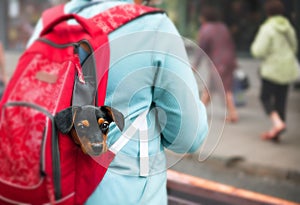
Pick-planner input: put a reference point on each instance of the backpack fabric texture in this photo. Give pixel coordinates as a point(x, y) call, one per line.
point(39, 164)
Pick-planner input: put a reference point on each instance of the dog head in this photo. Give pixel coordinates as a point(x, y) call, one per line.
point(88, 125)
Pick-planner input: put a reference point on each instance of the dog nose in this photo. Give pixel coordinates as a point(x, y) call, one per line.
point(97, 147)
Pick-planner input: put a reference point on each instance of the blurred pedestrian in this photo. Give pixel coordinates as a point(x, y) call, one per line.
point(141, 80)
point(216, 41)
point(3, 77)
point(276, 45)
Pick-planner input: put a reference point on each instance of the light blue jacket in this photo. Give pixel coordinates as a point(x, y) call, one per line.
point(149, 71)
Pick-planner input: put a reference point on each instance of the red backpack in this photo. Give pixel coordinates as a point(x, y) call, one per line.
point(39, 164)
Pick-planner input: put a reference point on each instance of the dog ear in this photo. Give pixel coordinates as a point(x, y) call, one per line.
point(64, 119)
point(116, 116)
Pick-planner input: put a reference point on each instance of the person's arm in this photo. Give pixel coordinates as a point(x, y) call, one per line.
point(260, 45)
point(184, 126)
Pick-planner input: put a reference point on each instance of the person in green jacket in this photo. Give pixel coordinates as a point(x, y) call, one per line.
point(276, 45)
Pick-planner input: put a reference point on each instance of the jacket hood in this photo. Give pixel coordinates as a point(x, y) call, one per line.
point(279, 23)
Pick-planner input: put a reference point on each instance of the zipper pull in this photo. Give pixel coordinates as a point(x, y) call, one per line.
point(77, 64)
point(79, 73)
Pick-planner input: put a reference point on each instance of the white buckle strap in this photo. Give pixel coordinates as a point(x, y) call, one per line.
point(144, 159)
point(139, 124)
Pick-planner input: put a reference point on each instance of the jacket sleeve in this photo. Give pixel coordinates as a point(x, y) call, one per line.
point(293, 40)
point(184, 125)
point(260, 45)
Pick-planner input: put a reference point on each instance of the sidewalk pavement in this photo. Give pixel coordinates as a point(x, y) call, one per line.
point(242, 140)
point(240, 146)
point(241, 158)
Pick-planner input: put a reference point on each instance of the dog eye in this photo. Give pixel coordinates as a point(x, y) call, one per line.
point(104, 126)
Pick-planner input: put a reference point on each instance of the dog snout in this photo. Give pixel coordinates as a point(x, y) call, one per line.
point(97, 147)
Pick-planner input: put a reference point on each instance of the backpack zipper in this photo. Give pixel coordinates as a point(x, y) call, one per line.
point(76, 45)
point(56, 45)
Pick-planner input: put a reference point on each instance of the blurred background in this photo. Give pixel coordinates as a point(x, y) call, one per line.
point(18, 18)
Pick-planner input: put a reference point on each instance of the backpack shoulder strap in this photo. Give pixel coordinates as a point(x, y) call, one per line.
point(104, 22)
point(117, 16)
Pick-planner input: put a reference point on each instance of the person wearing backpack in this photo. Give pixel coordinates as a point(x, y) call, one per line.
point(276, 45)
point(149, 76)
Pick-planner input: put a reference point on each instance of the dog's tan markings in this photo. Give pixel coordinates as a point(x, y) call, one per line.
point(73, 119)
point(100, 121)
point(83, 142)
point(86, 145)
point(74, 115)
point(84, 123)
point(75, 136)
point(104, 148)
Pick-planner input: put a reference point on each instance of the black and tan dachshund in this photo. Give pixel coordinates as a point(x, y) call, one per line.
point(89, 125)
